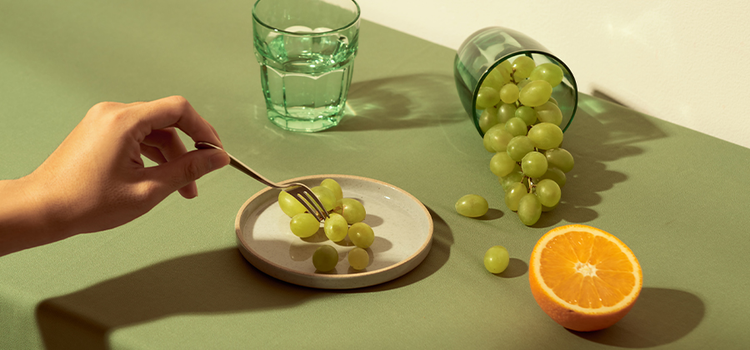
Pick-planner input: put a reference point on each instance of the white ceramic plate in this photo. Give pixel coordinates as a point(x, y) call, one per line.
point(402, 225)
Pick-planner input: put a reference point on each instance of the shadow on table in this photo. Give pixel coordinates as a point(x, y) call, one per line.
point(660, 316)
point(212, 282)
point(410, 101)
point(601, 132)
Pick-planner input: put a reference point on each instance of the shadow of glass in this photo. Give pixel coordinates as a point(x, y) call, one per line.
point(601, 132)
point(410, 101)
point(660, 316)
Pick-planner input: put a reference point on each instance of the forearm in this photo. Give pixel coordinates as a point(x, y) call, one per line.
point(24, 218)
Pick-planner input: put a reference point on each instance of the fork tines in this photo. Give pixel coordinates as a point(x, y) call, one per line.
point(309, 200)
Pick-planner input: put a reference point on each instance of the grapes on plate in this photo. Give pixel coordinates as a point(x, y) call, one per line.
point(361, 235)
point(325, 258)
point(358, 258)
point(304, 225)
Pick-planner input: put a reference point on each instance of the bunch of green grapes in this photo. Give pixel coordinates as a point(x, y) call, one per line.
point(345, 216)
point(521, 125)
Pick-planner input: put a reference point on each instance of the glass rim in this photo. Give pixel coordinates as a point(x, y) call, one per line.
point(505, 58)
point(357, 16)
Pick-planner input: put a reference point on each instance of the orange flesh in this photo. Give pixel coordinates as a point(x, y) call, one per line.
point(587, 270)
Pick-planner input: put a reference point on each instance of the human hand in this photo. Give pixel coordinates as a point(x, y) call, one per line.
point(96, 178)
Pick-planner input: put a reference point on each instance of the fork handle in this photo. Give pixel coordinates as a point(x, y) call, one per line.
point(237, 164)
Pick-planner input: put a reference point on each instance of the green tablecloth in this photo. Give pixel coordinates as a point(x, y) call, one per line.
point(175, 279)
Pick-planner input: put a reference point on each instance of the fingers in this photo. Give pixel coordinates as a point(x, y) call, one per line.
point(164, 145)
point(184, 170)
point(177, 112)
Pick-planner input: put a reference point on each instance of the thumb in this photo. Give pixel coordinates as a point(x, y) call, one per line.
point(181, 172)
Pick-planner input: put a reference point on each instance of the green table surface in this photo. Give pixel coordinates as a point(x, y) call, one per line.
point(174, 278)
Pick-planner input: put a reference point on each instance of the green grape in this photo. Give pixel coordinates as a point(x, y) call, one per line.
point(351, 209)
point(504, 70)
point(527, 114)
point(325, 258)
point(549, 72)
point(358, 258)
point(488, 119)
point(519, 146)
point(523, 66)
point(304, 225)
point(513, 195)
point(289, 205)
point(546, 135)
point(509, 93)
point(335, 227)
point(552, 99)
point(496, 259)
point(497, 138)
point(515, 176)
point(472, 205)
point(493, 80)
point(548, 192)
point(516, 127)
point(334, 186)
point(505, 112)
point(326, 197)
point(534, 164)
point(529, 209)
point(487, 97)
point(361, 235)
point(549, 113)
point(501, 164)
point(535, 93)
point(555, 175)
point(560, 158)
point(521, 84)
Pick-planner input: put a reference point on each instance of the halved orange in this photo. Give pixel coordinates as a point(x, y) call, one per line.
point(584, 278)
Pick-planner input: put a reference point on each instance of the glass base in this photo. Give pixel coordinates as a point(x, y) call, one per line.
point(303, 125)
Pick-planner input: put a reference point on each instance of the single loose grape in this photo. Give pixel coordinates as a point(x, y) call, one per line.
point(529, 209)
point(513, 195)
point(548, 192)
point(335, 227)
point(334, 186)
point(509, 93)
point(486, 97)
point(549, 112)
point(496, 259)
point(472, 205)
point(289, 205)
point(535, 93)
point(546, 135)
point(516, 127)
point(325, 258)
point(560, 158)
point(519, 146)
point(550, 72)
point(304, 225)
point(358, 258)
point(501, 164)
point(361, 235)
point(534, 164)
point(351, 209)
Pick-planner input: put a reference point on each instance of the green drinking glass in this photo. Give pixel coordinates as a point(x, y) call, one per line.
point(497, 47)
point(306, 51)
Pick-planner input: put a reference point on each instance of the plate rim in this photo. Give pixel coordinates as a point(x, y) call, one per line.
point(334, 281)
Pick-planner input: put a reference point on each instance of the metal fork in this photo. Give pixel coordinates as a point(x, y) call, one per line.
point(299, 191)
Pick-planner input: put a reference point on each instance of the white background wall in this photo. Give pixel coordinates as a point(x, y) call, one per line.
point(684, 61)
